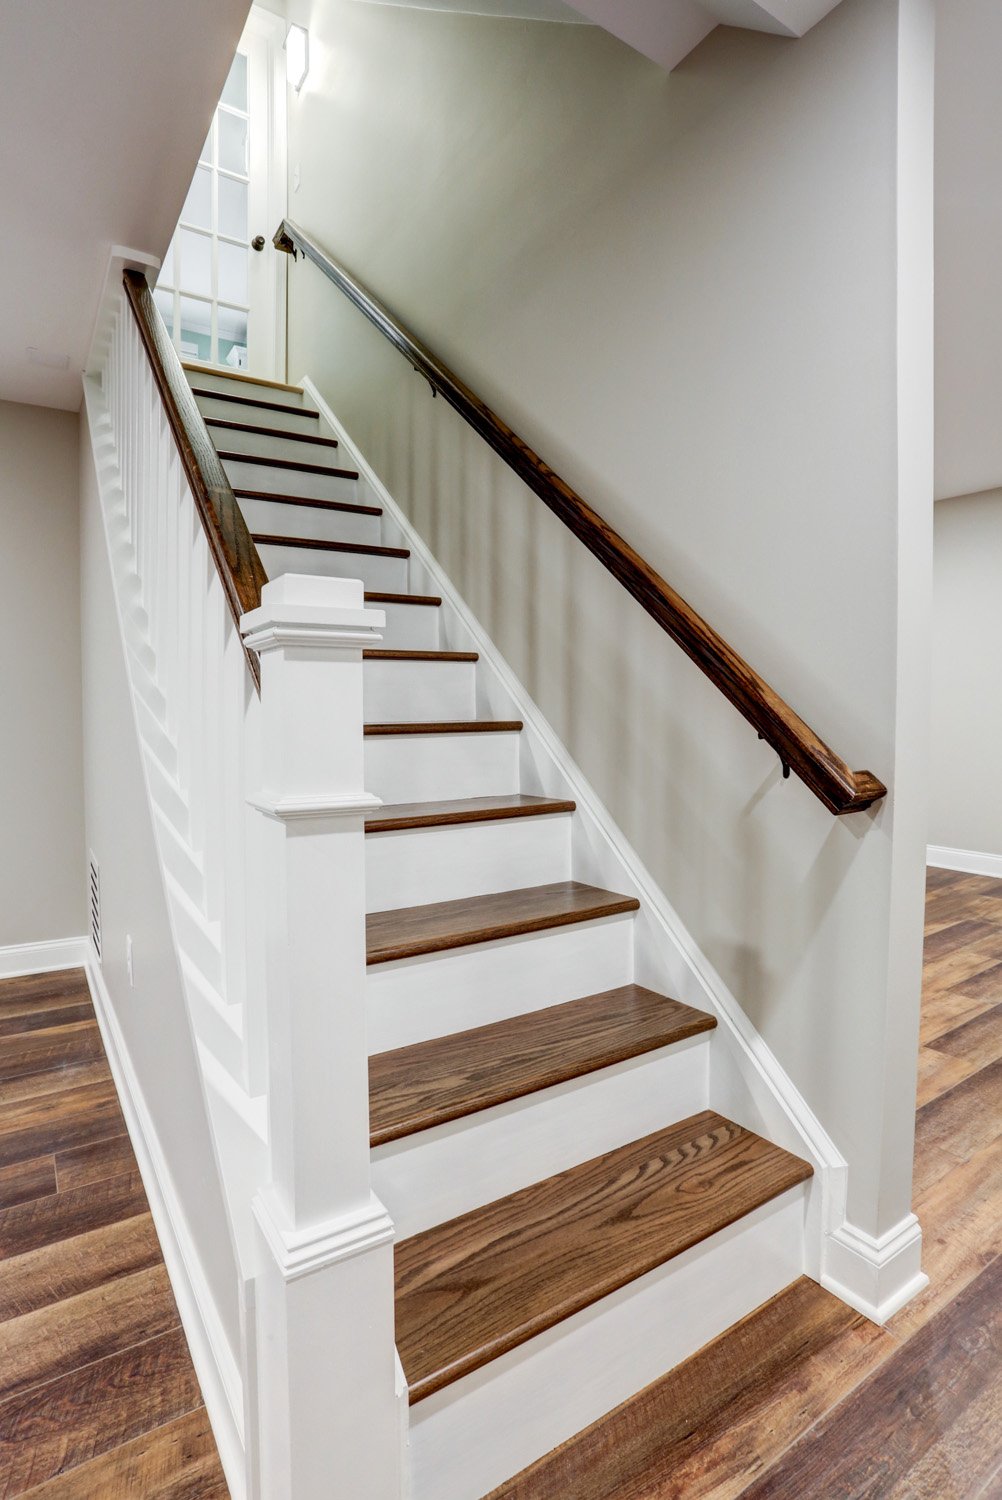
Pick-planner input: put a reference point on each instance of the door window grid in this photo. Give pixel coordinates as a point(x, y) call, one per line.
point(202, 289)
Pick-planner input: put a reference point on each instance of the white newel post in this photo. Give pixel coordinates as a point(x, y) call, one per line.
point(328, 1414)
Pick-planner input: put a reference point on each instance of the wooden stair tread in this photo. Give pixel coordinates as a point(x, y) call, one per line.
point(393, 816)
point(310, 503)
point(376, 596)
point(474, 1288)
point(312, 438)
point(269, 461)
point(417, 1087)
point(235, 375)
point(292, 411)
point(456, 726)
point(382, 654)
point(411, 930)
point(317, 544)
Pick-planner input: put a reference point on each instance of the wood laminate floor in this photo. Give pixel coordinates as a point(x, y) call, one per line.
point(98, 1397)
point(805, 1400)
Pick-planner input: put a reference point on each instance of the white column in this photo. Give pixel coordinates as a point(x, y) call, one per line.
point(324, 1295)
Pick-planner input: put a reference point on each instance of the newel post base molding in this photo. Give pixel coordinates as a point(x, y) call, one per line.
point(875, 1276)
point(328, 1413)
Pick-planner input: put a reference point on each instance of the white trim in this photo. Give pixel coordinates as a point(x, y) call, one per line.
point(747, 1081)
point(42, 958)
point(215, 1366)
point(319, 805)
point(300, 1252)
point(875, 1276)
point(970, 861)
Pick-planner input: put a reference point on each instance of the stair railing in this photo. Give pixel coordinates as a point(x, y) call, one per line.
point(841, 789)
point(248, 700)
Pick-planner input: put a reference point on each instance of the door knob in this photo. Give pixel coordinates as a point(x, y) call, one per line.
point(257, 243)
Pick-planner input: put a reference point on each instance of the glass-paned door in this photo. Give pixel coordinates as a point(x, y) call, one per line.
point(217, 292)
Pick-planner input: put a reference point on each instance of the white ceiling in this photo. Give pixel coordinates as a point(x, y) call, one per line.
point(104, 105)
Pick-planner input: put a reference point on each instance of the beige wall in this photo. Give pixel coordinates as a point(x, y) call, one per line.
point(966, 773)
point(685, 291)
point(42, 878)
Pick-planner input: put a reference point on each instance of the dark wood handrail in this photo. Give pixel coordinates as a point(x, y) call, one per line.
point(841, 789)
point(240, 569)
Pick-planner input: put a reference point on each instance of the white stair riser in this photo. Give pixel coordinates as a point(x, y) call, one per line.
point(471, 1436)
point(410, 627)
point(433, 767)
point(415, 999)
point(260, 416)
point(283, 446)
point(210, 380)
point(438, 1174)
point(389, 573)
point(275, 519)
point(418, 865)
point(412, 692)
point(279, 481)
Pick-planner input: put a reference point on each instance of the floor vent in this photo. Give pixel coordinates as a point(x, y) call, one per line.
point(95, 905)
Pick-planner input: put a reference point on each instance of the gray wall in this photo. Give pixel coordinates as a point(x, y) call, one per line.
point(42, 875)
point(686, 292)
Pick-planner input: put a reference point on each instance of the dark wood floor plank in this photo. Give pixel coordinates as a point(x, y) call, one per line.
point(55, 1122)
point(470, 1290)
point(731, 1407)
point(44, 1017)
point(53, 1428)
point(61, 1337)
point(46, 1220)
point(24, 1180)
point(964, 1119)
point(880, 1434)
point(977, 1042)
point(34, 1085)
point(40, 1050)
point(55, 1272)
point(413, 930)
point(415, 1088)
point(93, 1163)
point(177, 1461)
point(48, 991)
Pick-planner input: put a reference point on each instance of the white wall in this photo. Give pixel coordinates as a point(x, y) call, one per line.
point(684, 292)
point(968, 247)
point(152, 1014)
point(42, 878)
point(966, 773)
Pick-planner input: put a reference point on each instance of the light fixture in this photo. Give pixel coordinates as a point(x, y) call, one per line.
point(297, 56)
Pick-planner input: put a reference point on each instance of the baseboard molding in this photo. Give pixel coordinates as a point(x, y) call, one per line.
point(969, 861)
point(41, 958)
point(875, 1276)
point(214, 1361)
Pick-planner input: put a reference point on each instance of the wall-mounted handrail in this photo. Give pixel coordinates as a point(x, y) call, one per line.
point(240, 568)
point(841, 789)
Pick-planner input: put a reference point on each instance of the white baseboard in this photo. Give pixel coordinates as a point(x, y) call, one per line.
point(41, 958)
point(875, 1276)
point(215, 1364)
point(970, 861)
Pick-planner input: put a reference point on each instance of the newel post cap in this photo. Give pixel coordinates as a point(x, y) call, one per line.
point(303, 610)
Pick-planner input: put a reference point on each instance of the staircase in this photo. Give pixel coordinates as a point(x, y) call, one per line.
point(573, 1215)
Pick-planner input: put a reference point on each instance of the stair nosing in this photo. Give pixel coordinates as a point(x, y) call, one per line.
point(456, 726)
point(495, 930)
point(349, 506)
point(381, 596)
point(389, 654)
point(318, 544)
point(314, 440)
point(459, 816)
point(267, 461)
point(292, 411)
point(604, 1280)
point(503, 1035)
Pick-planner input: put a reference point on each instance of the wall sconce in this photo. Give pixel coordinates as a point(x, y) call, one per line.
point(297, 56)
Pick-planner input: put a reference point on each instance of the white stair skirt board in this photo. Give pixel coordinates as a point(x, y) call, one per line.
point(438, 1174)
point(415, 692)
point(414, 999)
point(969, 861)
point(281, 481)
point(436, 767)
point(211, 380)
point(380, 573)
point(260, 416)
point(272, 518)
point(39, 958)
point(214, 1360)
point(466, 1439)
point(420, 865)
point(410, 627)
